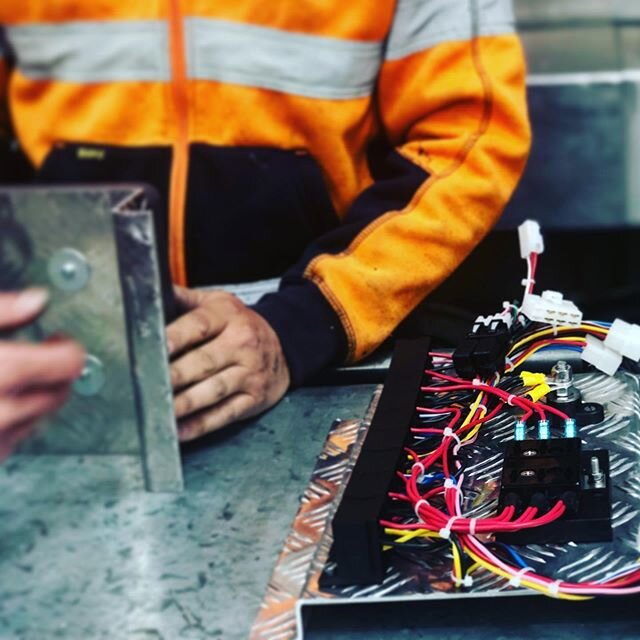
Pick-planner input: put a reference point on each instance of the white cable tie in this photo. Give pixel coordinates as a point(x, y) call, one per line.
point(510, 398)
point(449, 483)
point(554, 587)
point(476, 382)
point(472, 526)
point(515, 579)
point(446, 531)
point(423, 471)
point(417, 506)
point(450, 433)
point(482, 406)
point(467, 581)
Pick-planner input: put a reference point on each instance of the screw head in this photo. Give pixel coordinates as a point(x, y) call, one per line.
point(530, 453)
point(92, 378)
point(69, 270)
point(527, 473)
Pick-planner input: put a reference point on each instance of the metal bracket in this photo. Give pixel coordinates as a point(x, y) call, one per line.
point(94, 248)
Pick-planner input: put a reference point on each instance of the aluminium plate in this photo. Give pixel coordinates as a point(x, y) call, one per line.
point(294, 585)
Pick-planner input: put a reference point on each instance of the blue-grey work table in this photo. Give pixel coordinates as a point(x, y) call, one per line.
point(83, 556)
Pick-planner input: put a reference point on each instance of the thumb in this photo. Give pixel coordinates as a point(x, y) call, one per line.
point(18, 308)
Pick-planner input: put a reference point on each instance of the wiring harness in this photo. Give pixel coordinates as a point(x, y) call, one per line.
point(427, 502)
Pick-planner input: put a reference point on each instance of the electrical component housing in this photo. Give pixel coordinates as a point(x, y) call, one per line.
point(551, 308)
point(484, 350)
point(538, 473)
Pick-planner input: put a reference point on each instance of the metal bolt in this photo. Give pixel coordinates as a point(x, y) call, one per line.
point(91, 379)
point(596, 473)
point(530, 452)
point(527, 473)
point(69, 270)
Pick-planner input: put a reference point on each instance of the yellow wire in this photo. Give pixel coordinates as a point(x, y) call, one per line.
point(515, 364)
point(471, 413)
point(457, 562)
point(552, 332)
point(527, 583)
point(405, 535)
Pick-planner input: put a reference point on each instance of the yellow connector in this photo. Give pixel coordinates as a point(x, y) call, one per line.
point(539, 392)
point(532, 379)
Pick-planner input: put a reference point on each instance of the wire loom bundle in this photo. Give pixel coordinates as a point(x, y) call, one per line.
point(451, 415)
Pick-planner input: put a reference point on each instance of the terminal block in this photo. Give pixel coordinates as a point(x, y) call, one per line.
point(538, 473)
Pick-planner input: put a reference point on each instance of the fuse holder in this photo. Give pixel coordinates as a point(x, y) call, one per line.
point(601, 356)
point(624, 338)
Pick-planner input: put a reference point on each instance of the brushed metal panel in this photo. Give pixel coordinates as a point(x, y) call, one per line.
point(106, 422)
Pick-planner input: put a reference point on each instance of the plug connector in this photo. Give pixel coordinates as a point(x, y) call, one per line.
point(530, 238)
point(551, 308)
point(624, 338)
point(601, 356)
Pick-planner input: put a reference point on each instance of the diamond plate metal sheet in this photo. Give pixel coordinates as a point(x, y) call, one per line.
point(409, 577)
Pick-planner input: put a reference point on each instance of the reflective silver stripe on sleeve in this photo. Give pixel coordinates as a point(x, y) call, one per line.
point(92, 51)
point(422, 24)
point(268, 58)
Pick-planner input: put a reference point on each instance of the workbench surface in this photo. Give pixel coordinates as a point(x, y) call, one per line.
point(84, 555)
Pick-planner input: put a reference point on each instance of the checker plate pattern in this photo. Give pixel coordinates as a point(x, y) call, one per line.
point(294, 583)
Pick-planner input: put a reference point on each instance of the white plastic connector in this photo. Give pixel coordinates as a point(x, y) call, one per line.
point(600, 356)
point(530, 238)
point(552, 308)
point(624, 338)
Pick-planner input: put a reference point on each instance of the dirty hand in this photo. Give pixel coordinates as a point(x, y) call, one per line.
point(227, 362)
point(35, 379)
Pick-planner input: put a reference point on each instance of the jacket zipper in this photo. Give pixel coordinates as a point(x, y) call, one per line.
point(180, 159)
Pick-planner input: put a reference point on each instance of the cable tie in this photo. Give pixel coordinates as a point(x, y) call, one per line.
point(472, 526)
point(515, 580)
point(417, 506)
point(467, 581)
point(483, 407)
point(446, 531)
point(510, 398)
point(476, 382)
point(423, 471)
point(449, 483)
point(450, 433)
point(554, 587)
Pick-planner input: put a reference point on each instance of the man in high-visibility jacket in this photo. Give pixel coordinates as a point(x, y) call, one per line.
point(362, 149)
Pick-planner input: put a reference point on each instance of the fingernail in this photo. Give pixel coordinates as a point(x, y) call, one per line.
point(31, 301)
point(170, 347)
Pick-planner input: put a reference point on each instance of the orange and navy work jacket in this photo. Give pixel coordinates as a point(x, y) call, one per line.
point(362, 148)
